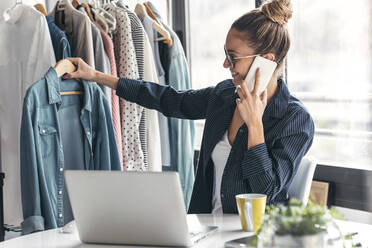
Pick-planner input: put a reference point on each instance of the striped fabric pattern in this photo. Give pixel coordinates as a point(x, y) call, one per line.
point(130, 112)
point(267, 168)
point(138, 42)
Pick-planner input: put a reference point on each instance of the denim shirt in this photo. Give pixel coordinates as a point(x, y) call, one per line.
point(181, 132)
point(267, 168)
point(61, 45)
point(41, 151)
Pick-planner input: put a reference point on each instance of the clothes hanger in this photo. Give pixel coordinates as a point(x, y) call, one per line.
point(101, 20)
point(66, 66)
point(75, 3)
point(87, 9)
point(16, 3)
point(151, 14)
point(6, 14)
point(141, 12)
point(107, 19)
point(40, 7)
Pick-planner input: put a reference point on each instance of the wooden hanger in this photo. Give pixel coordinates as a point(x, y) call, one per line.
point(75, 3)
point(66, 66)
point(87, 9)
point(151, 14)
point(141, 12)
point(40, 8)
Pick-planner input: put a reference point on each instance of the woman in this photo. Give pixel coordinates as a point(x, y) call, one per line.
point(251, 143)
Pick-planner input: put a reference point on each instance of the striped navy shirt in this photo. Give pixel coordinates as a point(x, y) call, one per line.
point(267, 168)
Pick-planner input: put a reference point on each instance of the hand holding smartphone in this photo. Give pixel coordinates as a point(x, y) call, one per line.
point(267, 68)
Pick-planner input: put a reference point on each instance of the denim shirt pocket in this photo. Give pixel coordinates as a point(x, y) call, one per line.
point(48, 135)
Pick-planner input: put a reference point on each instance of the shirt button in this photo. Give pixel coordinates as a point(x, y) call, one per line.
point(60, 215)
point(60, 169)
point(222, 196)
point(88, 133)
point(60, 192)
point(240, 130)
point(43, 131)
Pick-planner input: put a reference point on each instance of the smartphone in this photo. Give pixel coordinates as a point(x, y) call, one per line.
point(241, 243)
point(267, 68)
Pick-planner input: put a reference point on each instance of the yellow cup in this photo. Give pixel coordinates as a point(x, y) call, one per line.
point(251, 208)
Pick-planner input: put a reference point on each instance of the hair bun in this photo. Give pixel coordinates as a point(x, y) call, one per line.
point(279, 11)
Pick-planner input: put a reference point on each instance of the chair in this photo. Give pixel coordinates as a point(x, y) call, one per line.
point(301, 184)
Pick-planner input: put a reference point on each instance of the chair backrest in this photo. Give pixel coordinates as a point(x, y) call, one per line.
point(301, 184)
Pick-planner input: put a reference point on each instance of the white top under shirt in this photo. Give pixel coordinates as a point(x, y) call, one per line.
point(220, 154)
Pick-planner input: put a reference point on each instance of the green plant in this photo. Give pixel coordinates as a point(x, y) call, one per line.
point(297, 219)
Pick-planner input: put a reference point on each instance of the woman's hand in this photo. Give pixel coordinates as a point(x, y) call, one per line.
point(251, 106)
point(83, 70)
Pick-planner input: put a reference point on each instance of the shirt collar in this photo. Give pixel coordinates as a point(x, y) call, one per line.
point(278, 104)
point(50, 19)
point(53, 87)
point(276, 107)
point(226, 90)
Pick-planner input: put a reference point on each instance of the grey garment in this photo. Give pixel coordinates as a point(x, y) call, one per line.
point(72, 141)
point(78, 30)
point(101, 59)
point(139, 47)
point(163, 121)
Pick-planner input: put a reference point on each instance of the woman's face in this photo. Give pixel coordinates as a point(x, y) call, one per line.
point(237, 47)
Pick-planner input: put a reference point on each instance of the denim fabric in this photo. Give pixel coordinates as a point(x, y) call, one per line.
point(61, 45)
point(42, 152)
point(181, 132)
point(267, 168)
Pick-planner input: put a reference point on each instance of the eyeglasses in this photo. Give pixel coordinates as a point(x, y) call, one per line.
point(232, 60)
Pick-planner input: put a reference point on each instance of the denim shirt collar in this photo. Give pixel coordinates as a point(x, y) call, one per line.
point(54, 89)
point(276, 107)
point(49, 19)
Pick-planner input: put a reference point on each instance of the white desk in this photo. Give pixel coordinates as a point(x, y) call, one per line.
point(229, 228)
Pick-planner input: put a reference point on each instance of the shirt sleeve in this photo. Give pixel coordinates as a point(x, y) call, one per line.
point(186, 104)
point(105, 149)
point(33, 220)
point(270, 170)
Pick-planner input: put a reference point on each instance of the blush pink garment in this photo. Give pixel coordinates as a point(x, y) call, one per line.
point(109, 49)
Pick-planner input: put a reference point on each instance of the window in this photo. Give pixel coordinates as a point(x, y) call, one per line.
point(209, 23)
point(329, 68)
point(330, 71)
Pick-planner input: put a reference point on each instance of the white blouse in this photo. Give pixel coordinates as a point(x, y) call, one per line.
point(220, 154)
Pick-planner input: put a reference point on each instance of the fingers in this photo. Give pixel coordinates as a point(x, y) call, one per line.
point(239, 104)
point(264, 97)
point(75, 61)
point(74, 74)
point(257, 82)
point(246, 91)
point(241, 92)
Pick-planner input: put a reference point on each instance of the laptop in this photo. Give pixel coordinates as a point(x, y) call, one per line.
point(131, 208)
